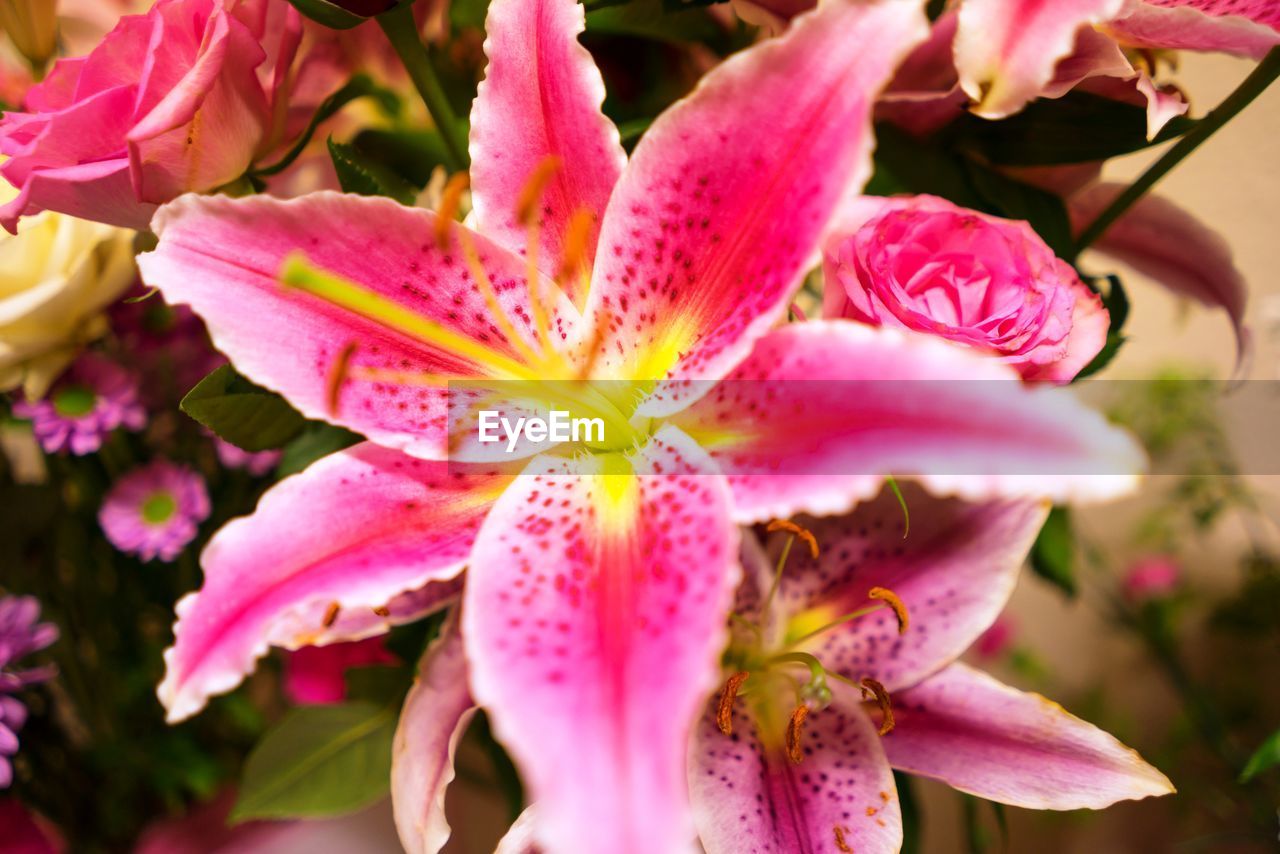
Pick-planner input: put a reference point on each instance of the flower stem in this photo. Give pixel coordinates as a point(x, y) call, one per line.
point(1253, 86)
point(402, 31)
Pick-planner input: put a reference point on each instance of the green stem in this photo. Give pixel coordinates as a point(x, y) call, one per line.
point(402, 31)
point(1253, 86)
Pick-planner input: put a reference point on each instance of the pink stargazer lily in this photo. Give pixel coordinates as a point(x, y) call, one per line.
point(598, 579)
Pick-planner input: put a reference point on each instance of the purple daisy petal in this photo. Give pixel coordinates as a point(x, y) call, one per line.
point(20, 635)
point(95, 397)
point(155, 511)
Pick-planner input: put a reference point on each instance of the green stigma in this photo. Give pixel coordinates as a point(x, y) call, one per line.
point(74, 401)
point(158, 508)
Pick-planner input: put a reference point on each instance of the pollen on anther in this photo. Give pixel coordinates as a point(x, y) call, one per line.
point(338, 376)
point(870, 687)
point(724, 710)
point(330, 614)
point(891, 599)
point(450, 202)
point(841, 842)
point(796, 530)
point(382, 611)
point(795, 728)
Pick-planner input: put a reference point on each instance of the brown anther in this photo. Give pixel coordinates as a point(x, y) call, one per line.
point(724, 711)
point(531, 192)
point(797, 530)
point(382, 611)
point(841, 843)
point(891, 599)
point(330, 614)
point(872, 687)
point(576, 239)
point(337, 376)
point(794, 730)
point(450, 203)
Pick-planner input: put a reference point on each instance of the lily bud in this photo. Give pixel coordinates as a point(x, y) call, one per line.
point(32, 26)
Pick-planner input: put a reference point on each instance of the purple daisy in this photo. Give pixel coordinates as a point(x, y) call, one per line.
point(95, 397)
point(154, 511)
point(20, 635)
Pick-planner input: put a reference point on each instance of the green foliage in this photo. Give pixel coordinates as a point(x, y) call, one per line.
point(1267, 756)
point(330, 14)
point(319, 761)
point(242, 413)
point(1054, 552)
point(1116, 301)
point(315, 441)
point(1077, 128)
point(359, 86)
point(362, 176)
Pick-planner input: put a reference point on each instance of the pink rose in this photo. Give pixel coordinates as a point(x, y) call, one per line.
point(180, 99)
point(924, 264)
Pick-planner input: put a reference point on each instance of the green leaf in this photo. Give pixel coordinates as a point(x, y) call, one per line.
point(653, 19)
point(329, 14)
point(411, 154)
point(246, 415)
point(358, 174)
point(1015, 200)
point(1266, 756)
point(1053, 555)
point(1077, 128)
point(359, 86)
point(906, 164)
point(1116, 302)
point(912, 817)
point(319, 761)
point(316, 441)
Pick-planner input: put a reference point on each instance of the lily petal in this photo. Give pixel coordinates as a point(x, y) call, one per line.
point(824, 409)
point(595, 608)
point(519, 838)
point(435, 715)
point(750, 799)
point(1006, 50)
point(727, 195)
point(540, 98)
point(293, 342)
point(954, 571)
point(1249, 28)
point(970, 731)
point(354, 531)
point(1161, 240)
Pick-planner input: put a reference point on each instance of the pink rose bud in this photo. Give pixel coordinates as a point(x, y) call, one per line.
point(1152, 577)
point(316, 675)
point(924, 264)
point(111, 135)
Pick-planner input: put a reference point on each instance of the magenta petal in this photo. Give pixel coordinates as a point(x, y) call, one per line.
point(982, 737)
point(750, 799)
point(1242, 27)
point(434, 717)
point(1007, 50)
point(824, 409)
point(594, 614)
point(540, 97)
point(357, 529)
point(954, 571)
point(722, 207)
point(1161, 240)
point(291, 342)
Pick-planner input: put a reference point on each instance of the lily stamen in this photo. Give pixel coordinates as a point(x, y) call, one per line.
point(450, 203)
point(330, 614)
point(490, 294)
point(796, 530)
point(528, 215)
point(297, 272)
point(871, 687)
point(338, 375)
point(891, 599)
point(795, 729)
point(576, 238)
point(724, 710)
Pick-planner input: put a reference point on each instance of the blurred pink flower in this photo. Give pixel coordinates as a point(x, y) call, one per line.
point(94, 398)
point(155, 511)
point(256, 463)
point(925, 264)
point(998, 639)
point(1151, 577)
point(109, 136)
point(315, 675)
point(23, 832)
point(20, 635)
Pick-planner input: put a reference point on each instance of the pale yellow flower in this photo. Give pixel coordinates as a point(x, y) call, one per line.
point(57, 275)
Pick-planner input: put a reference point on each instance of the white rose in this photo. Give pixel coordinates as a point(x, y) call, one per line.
point(56, 277)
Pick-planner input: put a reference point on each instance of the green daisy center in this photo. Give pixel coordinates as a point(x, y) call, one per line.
point(158, 508)
point(74, 401)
